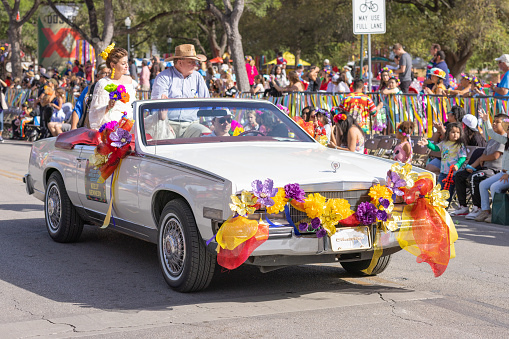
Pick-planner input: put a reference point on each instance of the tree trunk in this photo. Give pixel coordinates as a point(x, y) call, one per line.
point(15, 38)
point(235, 42)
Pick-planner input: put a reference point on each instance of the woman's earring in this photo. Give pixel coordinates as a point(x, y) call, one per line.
point(112, 73)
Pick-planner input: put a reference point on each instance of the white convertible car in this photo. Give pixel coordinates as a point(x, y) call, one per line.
point(174, 188)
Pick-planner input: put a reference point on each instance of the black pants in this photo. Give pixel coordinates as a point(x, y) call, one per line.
point(405, 85)
point(460, 179)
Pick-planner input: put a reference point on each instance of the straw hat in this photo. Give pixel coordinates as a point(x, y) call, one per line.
point(186, 51)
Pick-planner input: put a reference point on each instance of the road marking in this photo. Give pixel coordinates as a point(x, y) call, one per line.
point(11, 175)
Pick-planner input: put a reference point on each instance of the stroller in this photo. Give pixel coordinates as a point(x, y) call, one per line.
point(39, 130)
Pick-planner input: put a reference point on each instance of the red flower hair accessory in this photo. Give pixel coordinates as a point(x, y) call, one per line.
point(340, 116)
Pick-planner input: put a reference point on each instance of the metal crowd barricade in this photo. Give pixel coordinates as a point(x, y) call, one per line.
point(423, 110)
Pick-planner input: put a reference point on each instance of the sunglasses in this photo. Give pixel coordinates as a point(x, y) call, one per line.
point(225, 119)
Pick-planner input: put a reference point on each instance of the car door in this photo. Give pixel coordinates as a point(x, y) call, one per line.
point(96, 196)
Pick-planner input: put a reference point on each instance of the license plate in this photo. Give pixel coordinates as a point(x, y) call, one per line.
point(351, 238)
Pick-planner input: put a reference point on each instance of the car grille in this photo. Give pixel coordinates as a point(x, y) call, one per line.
point(353, 197)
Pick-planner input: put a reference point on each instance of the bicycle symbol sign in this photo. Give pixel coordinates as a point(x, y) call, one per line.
point(368, 16)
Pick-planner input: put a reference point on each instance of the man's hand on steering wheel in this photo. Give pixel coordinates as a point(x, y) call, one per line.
point(251, 131)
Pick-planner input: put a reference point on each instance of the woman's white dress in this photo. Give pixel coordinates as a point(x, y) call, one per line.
point(96, 115)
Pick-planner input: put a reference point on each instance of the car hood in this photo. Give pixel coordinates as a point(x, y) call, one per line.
point(309, 164)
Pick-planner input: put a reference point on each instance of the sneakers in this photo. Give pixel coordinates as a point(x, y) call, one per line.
point(483, 216)
point(462, 210)
point(488, 219)
point(475, 212)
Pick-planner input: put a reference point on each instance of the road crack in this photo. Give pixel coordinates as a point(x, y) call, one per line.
point(392, 304)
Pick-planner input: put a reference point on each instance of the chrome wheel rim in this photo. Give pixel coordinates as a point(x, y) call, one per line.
point(173, 246)
point(54, 208)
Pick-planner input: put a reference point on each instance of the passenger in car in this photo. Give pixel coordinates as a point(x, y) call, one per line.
point(254, 122)
point(221, 126)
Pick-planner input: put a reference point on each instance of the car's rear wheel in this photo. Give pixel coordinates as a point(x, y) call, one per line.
point(186, 264)
point(62, 220)
point(357, 267)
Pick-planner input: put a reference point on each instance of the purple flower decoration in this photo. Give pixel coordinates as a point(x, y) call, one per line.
point(120, 137)
point(303, 226)
point(121, 89)
point(315, 223)
point(109, 126)
point(394, 182)
point(264, 192)
point(321, 233)
point(115, 95)
point(293, 191)
point(381, 215)
point(384, 202)
point(366, 213)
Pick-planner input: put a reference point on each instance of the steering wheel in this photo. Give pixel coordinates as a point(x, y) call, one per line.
point(250, 131)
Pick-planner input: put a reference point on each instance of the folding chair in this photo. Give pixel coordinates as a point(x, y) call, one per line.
point(372, 146)
point(420, 154)
point(385, 146)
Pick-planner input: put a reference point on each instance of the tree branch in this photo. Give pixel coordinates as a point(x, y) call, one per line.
point(142, 24)
point(214, 10)
point(70, 23)
point(31, 12)
point(92, 18)
point(8, 8)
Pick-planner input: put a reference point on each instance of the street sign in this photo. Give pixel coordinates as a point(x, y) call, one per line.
point(368, 16)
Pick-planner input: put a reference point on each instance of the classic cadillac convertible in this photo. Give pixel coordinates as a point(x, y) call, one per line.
point(174, 188)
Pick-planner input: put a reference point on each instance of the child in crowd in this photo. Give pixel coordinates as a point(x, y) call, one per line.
point(484, 167)
point(500, 181)
point(403, 151)
point(18, 124)
point(453, 152)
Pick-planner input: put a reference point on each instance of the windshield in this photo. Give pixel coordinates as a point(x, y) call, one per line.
point(179, 122)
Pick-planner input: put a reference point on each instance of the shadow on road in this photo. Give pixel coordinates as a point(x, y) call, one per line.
point(111, 271)
point(21, 207)
point(483, 233)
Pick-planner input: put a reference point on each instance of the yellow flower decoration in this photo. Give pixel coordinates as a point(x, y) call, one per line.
point(237, 131)
point(97, 159)
point(104, 54)
point(378, 191)
point(392, 223)
point(323, 140)
point(314, 205)
point(280, 202)
point(335, 210)
point(438, 197)
point(244, 205)
point(404, 173)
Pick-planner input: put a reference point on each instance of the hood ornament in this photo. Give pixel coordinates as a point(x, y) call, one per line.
point(335, 166)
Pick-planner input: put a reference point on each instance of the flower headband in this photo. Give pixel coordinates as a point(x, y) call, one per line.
point(403, 133)
point(393, 77)
point(385, 69)
point(340, 116)
point(107, 51)
point(324, 112)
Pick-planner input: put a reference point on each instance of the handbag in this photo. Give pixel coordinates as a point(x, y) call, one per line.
point(500, 209)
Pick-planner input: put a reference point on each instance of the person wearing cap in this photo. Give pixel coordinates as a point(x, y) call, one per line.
point(472, 135)
point(348, 74)
point(181, 80)
point(326, 65)
point(502, 88)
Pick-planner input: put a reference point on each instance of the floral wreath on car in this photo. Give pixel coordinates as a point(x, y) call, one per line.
point(239, 236)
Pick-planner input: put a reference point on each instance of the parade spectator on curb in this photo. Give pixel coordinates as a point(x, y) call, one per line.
point(181, 80)
point(500, 181)
point(259, 85)
point(346, 134)
point(502, 89)
point(385, 75)
point(230, 90)
point(294, 86)
point(326, 65)
point(133, 70)
point(325, 80)
point(349, 77)
point(472, 135)
point(313, 79)
point(405, 67)
point(464, 88)
point(145, 76)
point(392, 86)
point(89, 70)
point(453, 152)
point(280, 60)
point(484, 167)
point(437, 79)
point(154, 70)
point(300, 71)
point(3, 106)
point(359, 105)
point(280, 76)
point(403, 151)
point(251, 69)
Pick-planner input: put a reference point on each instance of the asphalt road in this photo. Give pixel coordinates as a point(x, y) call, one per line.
point(109, 286)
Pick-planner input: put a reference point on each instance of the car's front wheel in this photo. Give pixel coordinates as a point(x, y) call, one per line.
point(357, 267)
point(62, 220)
point(185, 263)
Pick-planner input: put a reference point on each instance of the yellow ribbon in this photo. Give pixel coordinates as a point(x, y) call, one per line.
point(377, 253)
point(113, 181)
